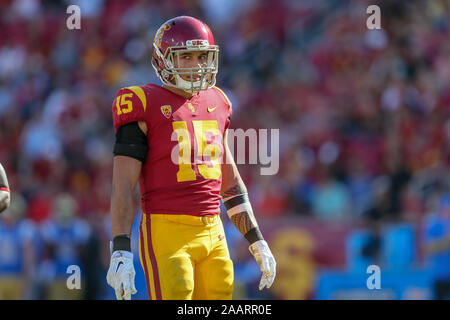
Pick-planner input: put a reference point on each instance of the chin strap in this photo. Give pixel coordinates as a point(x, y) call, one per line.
point(188, 85)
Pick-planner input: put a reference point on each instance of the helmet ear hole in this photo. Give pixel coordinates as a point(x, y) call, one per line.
point(157, 64)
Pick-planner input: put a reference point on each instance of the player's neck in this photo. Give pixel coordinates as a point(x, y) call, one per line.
point(180, 92)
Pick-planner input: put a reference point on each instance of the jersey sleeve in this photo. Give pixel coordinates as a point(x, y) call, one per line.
point(129, 105)
point(230, 107)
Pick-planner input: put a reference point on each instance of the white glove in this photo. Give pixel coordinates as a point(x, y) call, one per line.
point(264, 257)
point(121, 274)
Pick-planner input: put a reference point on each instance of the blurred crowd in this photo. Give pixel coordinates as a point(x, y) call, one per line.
point(363, 114)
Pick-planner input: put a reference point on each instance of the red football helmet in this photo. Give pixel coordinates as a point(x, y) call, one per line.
point(179, 35)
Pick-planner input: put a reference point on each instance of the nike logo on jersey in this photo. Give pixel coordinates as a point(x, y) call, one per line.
point(211, 109)
point(118, 265)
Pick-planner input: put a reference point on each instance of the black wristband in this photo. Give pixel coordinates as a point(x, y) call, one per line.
point(122, 242)
point(253, 235)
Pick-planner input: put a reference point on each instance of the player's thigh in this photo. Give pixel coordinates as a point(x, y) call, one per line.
point(165, 260)
point(214, 279)
point(176, 277)
point(214, 276)
point(171, 277)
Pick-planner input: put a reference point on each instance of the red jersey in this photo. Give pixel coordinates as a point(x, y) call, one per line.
point(182, 172)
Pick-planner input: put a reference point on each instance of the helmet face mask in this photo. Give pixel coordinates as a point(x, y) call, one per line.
point(169, 46)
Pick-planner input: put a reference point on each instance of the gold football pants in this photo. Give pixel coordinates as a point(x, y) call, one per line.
point(185, 257)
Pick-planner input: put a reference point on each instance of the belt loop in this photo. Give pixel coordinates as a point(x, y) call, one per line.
point(208, 220)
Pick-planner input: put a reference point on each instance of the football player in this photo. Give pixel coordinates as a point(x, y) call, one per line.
point(18, 243)
point(4, 190)
point(171, 139)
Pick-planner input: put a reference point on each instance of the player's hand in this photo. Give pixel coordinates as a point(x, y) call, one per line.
point(121, 274)
point(264, 257)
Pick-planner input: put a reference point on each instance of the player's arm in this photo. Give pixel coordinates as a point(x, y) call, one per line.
point(235, 198)
point(130, 151)
point(4, 190)
point(126, 172)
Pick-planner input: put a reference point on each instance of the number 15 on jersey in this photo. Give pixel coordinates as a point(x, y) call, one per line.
point(208, 149)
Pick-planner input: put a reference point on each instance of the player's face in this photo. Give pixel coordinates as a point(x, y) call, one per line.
point(192, 59)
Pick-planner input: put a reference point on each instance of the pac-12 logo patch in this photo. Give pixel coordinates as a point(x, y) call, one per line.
point(166, 111)
point(191, 107)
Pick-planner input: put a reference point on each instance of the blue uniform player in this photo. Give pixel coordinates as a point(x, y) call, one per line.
point(17, 252)
point(437, 247)
point(63, 236)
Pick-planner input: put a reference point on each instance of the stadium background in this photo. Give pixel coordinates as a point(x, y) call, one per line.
point(364, 139)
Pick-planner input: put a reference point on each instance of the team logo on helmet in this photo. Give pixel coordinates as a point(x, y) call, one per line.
point(160, 33)
point(166, 111)
point(197, 42)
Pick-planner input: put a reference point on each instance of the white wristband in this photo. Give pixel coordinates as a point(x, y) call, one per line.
point(244, 207)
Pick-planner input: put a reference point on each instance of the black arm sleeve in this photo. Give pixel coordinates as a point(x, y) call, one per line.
point(131, 142)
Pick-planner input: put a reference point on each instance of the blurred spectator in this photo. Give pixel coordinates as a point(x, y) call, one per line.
point(437, 247)
point(64, 237)
point(330, 198)
point(17, 252)
point(91, 262)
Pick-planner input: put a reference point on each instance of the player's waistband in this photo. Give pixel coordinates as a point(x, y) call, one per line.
point(187, 219)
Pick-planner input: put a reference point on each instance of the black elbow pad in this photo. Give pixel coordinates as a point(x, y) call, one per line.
point(131, 142)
